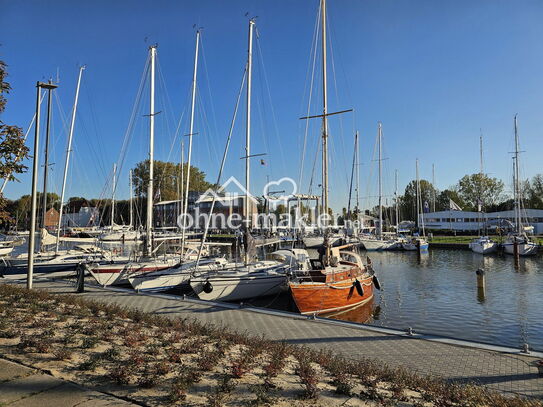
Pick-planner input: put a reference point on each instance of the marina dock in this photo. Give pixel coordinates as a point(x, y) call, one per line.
point(503, 369)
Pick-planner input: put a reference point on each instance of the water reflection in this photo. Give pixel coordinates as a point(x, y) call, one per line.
point(362, 314)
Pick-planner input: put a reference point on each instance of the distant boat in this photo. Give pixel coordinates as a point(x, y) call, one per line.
point(316, 241)
point(483, 245)
point(518, 241)
point(417, 242)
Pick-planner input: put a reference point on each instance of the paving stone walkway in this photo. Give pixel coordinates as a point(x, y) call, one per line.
point(24, 386)
point(505, 372)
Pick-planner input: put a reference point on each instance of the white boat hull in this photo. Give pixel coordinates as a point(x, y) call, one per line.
point(240, 284)
point(524, 249)
point(374, 244)
point(4, 251)
point(312, 242)
point(170, 278)
point(118, 273)
point(483, 247)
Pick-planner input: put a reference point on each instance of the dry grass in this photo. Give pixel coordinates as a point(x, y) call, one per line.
point(155, 360)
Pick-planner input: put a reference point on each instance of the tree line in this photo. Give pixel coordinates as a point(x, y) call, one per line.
point(473, 192)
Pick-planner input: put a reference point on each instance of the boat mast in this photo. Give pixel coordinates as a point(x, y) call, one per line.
point(191, 129)
point(131, 203)
point(433, 188)
point(68, 151)
point(113, 188)
point(420, 218)
point(380, 135)
point(517, 178)
point(248, 132)
point(324, 118)
point(352, 179)
point(357, 178)
point(396, 199)
point(46, 164)
point(149, 220)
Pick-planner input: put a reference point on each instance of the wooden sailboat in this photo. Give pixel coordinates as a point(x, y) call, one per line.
point(338, 279)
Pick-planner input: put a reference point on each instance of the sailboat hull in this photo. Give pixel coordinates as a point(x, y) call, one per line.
point(323, 298)
point(483, 247)
point(314, 242)
point(238, 284)
point(524, 249)
point(118, 273)
point(374, 244)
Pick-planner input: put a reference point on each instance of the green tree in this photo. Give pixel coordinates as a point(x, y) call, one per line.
point(166, 179)
point(408, 201)
point(477, 188)
point(443, 201)
point(535, 193)
point(12, 147)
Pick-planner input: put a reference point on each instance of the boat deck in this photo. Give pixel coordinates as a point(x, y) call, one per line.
point(501, 369)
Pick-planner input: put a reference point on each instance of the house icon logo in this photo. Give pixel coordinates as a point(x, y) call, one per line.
point(221, 195)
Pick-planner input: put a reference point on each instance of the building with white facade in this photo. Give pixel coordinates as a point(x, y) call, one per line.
point(463, 221)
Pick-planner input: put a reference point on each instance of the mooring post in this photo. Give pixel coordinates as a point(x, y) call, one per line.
point(80, 285)
point(481, 288)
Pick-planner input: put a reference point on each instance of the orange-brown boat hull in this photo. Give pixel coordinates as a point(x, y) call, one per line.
point(322, 298)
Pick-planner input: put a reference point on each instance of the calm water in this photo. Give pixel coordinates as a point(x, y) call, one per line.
point(436, 293)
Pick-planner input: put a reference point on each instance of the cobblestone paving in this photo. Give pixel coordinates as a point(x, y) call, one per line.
point(506, 372)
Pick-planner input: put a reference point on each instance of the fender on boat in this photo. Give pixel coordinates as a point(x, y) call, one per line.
point(376, 282)
point(208, 287)
point(359, 288)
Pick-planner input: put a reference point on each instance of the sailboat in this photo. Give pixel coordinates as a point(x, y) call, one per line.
point(338, 279)
point(518, 241)
point(59, 262)
point(397, 240)
point(250, 278)
point(119, 233)
point(482, 244)
point(106, 273)
point(417, 242)
point(378, 242)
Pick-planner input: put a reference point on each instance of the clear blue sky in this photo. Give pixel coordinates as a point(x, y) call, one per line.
point(433, 72)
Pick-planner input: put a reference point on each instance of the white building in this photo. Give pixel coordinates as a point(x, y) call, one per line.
point(462, 221)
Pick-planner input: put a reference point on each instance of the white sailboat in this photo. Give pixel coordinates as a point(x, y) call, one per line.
point(518, 241)
point(118, 272)
point(119, 233)
point(250, 279)
point(59, 262)
point(417, 242)
point(378, 242)
point(482, 244)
